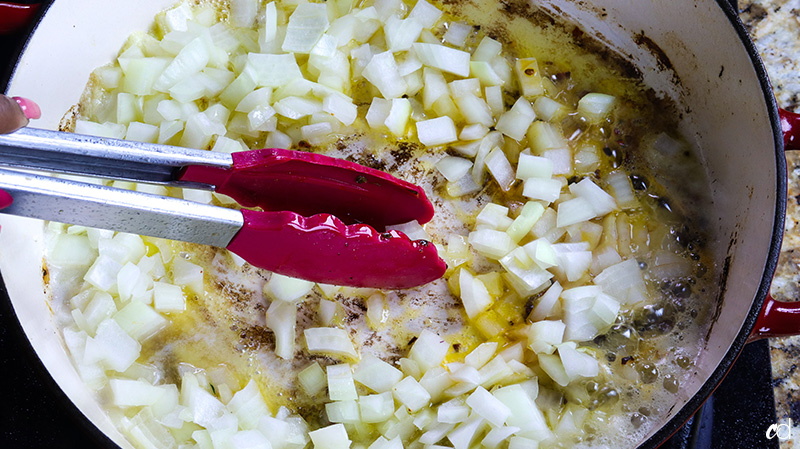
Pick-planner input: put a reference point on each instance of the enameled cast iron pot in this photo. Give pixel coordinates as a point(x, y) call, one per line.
point(694, 51)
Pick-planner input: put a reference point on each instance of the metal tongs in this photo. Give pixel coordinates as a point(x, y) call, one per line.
point(322, 218)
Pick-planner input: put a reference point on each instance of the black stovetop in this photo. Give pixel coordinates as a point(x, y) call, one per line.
point(35, 414)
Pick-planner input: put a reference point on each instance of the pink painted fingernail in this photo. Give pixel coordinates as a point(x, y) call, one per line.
point(5, 199)
point(29, 107)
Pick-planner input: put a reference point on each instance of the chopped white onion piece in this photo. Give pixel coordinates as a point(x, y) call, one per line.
point(487, 49)
point(376, 408)
point(436, 381)
point(282, 320)
point(343, 412)
point(72, 251)
point(378, 112)
point(491, 243)
point(425, 13)
point(285, 288)
point(530, 166)
point(191, 59)
point(344, 110)
point(443, 58)
point(115, 348)
point(453, 168)
point(548, 109)
point(501, 170)
point(529, 76)
point(489, 407)
point(577, 364)
point(623, 281)
point(340, 383)
point(376, 374)
point(466, 185)
point(412, 229)
point(401, 33)
point(601, 202)
point(398, 116)
point(330, 437)
point(474, 295)
point(139, 320)
point(497, 371)
point(411, 394)
point(473, 108)
point(329, 340)
point(312, 379)
point(622, 190)
point(463, 435)
point(429, 350)
point(574, 211)
point(546, 302)
point(168, 297)
point(103, 273)
point(383, 73)
point(134, 393)
point(494, 216)
point(526, 280)
point(543, 336)
point(258, 97)
point(596, 106)
point(436, 131)
point(457, 33)
point(543, 189)
point(107, 129)
point(272, 70)
point(494, 99)
point(248, 405)
point(481, 354)
point(522, 225)
point(306, 25)
point(187, 274)
point(296, 108)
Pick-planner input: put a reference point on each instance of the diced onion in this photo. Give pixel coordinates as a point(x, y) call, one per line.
point(501, 170)
point(281, 320)
point(443, 58)
point(429, 350)
point(436, 131)
point(425, 13)
point(340, 383)
point(453, 168)
point(411, 394)
point(596, 106)
point(328, 340)
point(376, 374)
point(312, 379)
point(489, 407)
point(306, 25)
point(383, 73)
point(330, 437)
point(457, 33)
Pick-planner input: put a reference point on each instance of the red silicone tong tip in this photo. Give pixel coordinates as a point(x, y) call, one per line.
point(309, 184)
point(321, 248)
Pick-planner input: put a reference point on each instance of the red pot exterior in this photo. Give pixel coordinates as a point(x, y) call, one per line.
point(15, 17)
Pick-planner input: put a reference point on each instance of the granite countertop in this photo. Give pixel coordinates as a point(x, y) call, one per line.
point(775, 28)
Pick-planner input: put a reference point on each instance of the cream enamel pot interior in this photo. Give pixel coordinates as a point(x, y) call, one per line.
point(693, 51)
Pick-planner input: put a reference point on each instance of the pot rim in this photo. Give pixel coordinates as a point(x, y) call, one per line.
point(100, 439)
point(690, 407)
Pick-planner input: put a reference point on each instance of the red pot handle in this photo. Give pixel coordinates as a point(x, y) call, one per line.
point(778, 318)
point(15, 17)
